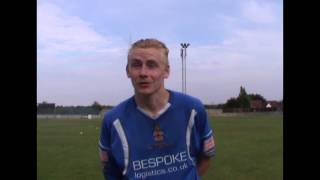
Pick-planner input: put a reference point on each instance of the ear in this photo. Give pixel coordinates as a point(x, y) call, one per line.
point(167, 71)
point(127, 70)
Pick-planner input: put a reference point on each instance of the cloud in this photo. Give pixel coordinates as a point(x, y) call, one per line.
point(250, 57)
point(245, 48)
point(66, 42)
point(74, 61)
point(82, 53)
point(259, 12)
point(60, 33)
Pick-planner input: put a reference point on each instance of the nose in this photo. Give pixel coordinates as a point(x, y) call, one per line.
point(143, 71)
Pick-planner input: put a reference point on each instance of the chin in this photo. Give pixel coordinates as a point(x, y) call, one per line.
point(145, 91)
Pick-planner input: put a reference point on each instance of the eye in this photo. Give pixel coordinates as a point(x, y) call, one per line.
point(152, 64)
point(136, 64)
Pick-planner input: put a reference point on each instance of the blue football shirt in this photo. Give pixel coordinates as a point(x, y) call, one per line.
point(137, 146)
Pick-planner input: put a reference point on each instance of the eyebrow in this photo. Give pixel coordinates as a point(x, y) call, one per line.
point(135, 59)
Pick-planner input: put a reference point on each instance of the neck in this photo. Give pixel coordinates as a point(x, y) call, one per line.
point(154, 102)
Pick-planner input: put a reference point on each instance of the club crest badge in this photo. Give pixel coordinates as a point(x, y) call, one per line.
point(159, 139)
point(158, 134)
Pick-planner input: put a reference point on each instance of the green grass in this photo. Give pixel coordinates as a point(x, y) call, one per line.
point(249, 147)
point(64, 154)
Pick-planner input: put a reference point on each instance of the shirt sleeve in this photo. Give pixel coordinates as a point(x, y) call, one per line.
point(110, 169)
point(206, 133)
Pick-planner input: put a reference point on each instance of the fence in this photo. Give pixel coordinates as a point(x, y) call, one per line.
point(68, 116)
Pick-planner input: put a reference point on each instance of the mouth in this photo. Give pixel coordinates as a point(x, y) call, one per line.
point(144, 84)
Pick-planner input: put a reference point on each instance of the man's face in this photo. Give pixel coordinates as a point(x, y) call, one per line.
point(147, 69)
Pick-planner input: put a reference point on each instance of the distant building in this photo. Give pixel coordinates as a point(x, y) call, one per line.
point(268, 106)
point(274, 105)
point(45, 108)
point(257, 105)
point(46, 105)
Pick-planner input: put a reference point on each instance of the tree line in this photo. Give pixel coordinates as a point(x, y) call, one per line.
point(50, 108)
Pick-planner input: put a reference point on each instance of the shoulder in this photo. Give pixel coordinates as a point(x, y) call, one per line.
point(117, 111)
point(186, 100)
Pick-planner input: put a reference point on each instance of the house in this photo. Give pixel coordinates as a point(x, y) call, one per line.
point(257, 105)
point(274, 105)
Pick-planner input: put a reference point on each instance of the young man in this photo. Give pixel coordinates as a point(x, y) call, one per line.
point(157, 133)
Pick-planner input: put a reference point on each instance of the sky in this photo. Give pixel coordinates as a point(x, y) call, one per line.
point(82, 47)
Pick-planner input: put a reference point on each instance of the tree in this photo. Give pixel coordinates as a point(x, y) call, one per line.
point(232, 103)
point(242, 92)
point(97, 106)
point(243, 99)
point(257, 97)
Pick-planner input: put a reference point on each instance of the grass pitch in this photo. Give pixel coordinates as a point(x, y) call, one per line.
point(249, 147)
